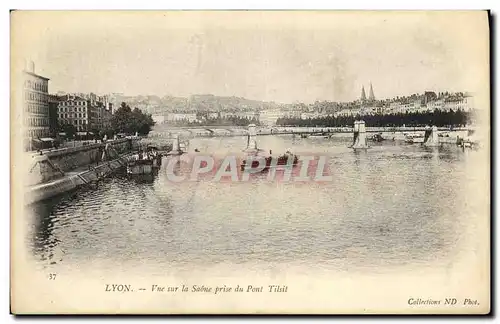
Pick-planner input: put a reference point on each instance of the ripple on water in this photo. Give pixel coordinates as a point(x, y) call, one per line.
point(390, 205)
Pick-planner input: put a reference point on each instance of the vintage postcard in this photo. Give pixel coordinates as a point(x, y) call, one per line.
point(250, 162)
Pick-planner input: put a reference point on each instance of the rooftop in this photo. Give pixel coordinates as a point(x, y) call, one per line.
point(35, 75)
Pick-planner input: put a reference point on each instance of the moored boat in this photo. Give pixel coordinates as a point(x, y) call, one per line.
point(377, 138)
point(414, 138)
point(319, 135)
point(139, 167)
point(472, 140)
point(468, 142)
point(155, 155)
point(144, 162)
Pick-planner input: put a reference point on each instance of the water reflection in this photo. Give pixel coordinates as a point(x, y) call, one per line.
point(44, 240)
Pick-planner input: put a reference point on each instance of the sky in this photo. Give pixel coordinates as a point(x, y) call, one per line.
point(272, 56)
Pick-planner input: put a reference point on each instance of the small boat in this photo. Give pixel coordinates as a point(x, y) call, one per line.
point(468, 142)
point(271, 161)
point(320, 135)
point(471, 140)
point(377, 138)
point(282, 160)
point(414, 138)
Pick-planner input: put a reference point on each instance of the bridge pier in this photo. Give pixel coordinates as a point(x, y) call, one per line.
point(252, 138)
point(359, 138)
point(431, 137)
point(176, 147)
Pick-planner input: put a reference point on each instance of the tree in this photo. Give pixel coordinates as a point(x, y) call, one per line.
point(70, 130)
point(438, 118)
point(126, 120)
point(121, 119)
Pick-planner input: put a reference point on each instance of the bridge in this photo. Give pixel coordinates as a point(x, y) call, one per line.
point(225, 131)
point(200, 131)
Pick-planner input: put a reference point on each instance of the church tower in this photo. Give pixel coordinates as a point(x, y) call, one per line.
point(363, 95)
point(371, 96)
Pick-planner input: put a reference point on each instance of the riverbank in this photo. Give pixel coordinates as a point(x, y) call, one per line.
point(71, 180)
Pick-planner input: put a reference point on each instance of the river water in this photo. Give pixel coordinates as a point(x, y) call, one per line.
point(393, 205)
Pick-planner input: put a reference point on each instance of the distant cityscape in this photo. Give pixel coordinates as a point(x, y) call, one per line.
point(88, 112)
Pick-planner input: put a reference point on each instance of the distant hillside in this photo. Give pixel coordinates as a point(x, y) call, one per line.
point(195, 103)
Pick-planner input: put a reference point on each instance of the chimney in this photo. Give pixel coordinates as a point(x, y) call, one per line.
point(31, 67)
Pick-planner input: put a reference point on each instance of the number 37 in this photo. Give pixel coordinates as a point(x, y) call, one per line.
point(52, 276)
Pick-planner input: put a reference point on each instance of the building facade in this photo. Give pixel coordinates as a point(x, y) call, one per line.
point(53, 115)
point(270, 116)
point(181, 116)
point(107, 115)
point(158, 119)
point(36, 105)
point(77, 111)
point(87, 112)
